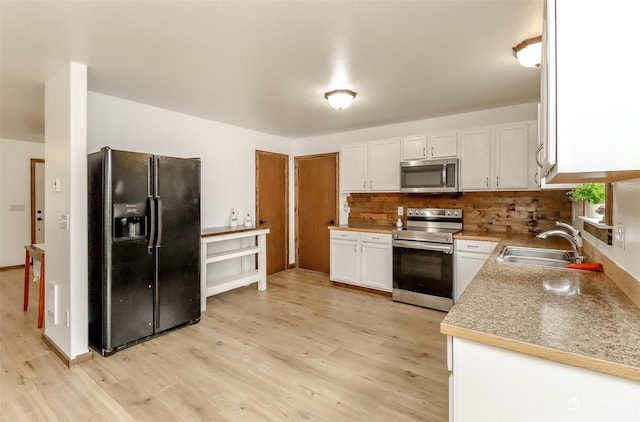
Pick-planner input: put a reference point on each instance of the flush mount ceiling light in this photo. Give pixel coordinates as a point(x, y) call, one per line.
point(340, 98)
point(529, 52)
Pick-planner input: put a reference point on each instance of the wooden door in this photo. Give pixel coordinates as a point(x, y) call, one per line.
point(316, 208)
point(37, 200)
point(272, 205)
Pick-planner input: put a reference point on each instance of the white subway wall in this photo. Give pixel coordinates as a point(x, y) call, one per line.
point(15, 188)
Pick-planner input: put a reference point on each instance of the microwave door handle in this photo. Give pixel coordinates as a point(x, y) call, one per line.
point(444, 175)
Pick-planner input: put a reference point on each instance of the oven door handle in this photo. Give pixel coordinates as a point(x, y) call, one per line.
point(409, 244)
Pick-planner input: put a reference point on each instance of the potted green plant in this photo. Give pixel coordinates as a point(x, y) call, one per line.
point(593, 194)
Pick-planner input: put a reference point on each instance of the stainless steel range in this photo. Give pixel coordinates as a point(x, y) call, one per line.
point(423, 257)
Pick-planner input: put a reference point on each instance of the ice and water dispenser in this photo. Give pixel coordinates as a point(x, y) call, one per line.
point(129, 221)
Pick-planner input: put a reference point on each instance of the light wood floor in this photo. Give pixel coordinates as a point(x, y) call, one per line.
point(302, 350)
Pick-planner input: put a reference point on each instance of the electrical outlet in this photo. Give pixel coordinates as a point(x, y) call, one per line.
point(400, 211)
point(618, 235)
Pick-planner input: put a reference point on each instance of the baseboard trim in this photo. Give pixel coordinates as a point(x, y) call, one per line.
point(11, 267)
point(625, 281)
point(62, 356)
point(361, 289)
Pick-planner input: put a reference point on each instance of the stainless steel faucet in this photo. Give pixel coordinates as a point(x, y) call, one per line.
point(573, 237)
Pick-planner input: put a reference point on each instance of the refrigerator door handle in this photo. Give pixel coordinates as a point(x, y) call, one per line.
point(152, 224)
point(159, 219)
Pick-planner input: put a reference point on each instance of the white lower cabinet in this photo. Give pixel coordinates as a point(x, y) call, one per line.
point(362, 259)
point(470, 256)
point(493, 384)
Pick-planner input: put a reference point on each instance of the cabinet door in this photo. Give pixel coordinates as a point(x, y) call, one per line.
point(353, 168)
point(467, 266)
point(376, 266)
point(597, 135)
point(344, 261)
point(511, 157)
point(475, 159)
point(443, 145)
point(384, 165)
point(414, 148)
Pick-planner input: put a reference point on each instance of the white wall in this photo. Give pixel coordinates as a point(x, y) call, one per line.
point(66, 248)
point(15, 189)
point(626, 209)
point(494, 116)
point(227, 153)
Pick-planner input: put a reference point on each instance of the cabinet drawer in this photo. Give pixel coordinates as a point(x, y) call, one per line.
point(344, 235)
point(375, 238)
point(478, 246)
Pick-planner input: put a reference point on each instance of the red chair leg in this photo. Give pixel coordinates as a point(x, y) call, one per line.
point(26, 280)
point(41, 300)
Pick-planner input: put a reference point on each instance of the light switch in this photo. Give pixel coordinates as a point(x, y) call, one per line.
point(63, 222)
point(56, 185)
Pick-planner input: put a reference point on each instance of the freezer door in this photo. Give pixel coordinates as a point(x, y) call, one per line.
point(129, 288)
point(177, 194)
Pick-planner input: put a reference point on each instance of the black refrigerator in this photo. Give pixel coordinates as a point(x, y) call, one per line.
point(144, 246)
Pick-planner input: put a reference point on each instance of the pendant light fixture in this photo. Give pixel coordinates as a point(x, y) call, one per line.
point(529, 52)
point(340, 98)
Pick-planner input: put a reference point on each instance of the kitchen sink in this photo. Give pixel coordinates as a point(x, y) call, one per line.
point(535, 256)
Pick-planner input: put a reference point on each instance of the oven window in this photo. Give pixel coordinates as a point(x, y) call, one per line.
point(420, 271)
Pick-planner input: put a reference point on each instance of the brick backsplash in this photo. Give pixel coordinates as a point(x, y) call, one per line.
point(517, 212)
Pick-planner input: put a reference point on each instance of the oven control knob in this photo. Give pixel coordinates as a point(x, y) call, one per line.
point(448, 212)
point(395, 236)
point(455, 213)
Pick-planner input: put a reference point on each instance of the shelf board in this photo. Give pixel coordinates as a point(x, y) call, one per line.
point(602, 232)
point(232, 282)
point(235, 253)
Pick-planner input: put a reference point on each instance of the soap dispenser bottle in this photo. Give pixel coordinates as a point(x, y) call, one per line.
point(233, 220)
point(247, 221)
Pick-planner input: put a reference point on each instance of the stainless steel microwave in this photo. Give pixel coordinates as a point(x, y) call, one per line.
point(429, 176)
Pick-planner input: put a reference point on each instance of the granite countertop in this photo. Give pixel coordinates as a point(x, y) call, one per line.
point(576, 317)
point(370, 228)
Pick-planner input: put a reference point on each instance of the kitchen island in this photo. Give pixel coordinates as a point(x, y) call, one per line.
point(555, 344)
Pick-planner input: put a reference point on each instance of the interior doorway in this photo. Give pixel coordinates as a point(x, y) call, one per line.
point(37, 200)
point(272, 206)
point(316, 186)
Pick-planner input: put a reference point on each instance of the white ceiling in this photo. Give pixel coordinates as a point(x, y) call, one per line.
point(265, 65)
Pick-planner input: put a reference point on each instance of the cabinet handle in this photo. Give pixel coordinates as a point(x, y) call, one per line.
point(375, 237)
point(424, 151)
point(344, 235)
point(540, 148)
point(487, 181)
point(473, 246)
point(431, 152)
point(364, 184)
point(370, 184)
point(361, 249)
point(497, 181)
point(355, 247)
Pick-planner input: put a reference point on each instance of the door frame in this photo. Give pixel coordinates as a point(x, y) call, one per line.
point(285, 206)
point(34, 162)
point(336, 214)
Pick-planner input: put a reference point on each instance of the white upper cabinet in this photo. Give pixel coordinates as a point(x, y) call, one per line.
point(496, 158)
point(511, 157)
point(443, 145)
point(437, 145)
point(414, 148)
point(384, 165)
point(370, 166)
point(353, 167)
point(475, 159)
point(590, 90)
